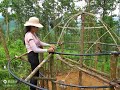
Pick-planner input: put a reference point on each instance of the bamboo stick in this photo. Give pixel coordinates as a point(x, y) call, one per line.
point(41, 70)
point(96, 57)
point(59, 57)
point(62, 64)
point(47, 84)
point(118, 72)
point(20, 55)
point(96, 71)
point(73, 61)
point(37, 68)
point(97, 42)
point(81, 46)
point(113, 67)
point(23, 59)
point(52, 72)
point(84, 27)
point(44, 78)
point(94, 75)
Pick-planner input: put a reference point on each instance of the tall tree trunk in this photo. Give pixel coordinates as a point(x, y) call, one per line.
point(7, 27)
point(4, 45)
point(104, 9)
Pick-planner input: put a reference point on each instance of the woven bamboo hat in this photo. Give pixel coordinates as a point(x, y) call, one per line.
point(33, 21)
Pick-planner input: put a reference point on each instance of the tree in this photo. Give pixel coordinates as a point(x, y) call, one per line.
point(4, 44)
point(4, 6)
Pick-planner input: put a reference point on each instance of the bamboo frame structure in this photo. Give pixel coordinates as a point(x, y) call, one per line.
point(79, 65)
point(83, 70)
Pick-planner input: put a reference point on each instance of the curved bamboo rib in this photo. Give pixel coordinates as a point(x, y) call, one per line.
point(80, 28)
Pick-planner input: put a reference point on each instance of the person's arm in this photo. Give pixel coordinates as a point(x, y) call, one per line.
point(35, 48)
point(29, 39)
point(44, 44)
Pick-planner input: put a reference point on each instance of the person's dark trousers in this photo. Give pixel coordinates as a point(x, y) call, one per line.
point(34, 61)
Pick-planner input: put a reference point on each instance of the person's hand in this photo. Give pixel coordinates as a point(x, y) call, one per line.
point(52, 46)
point(50, 49)
point(41, 47)
point(60, 43)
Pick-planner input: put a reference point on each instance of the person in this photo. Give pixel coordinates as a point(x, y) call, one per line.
point(34, 45)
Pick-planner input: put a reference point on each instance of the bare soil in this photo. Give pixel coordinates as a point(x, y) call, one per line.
point(72, 78)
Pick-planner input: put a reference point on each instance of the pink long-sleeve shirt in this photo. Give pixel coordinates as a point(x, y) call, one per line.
point(33, 43)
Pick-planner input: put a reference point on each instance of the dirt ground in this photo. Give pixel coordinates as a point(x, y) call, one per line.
point(72, 78)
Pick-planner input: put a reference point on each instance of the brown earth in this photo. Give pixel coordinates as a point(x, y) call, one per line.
point(72, 78)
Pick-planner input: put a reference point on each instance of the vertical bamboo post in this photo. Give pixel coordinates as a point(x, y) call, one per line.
point(96, 57)
point(62, 48)
point(52, 72)
point(103, 66)
point(81, 47)
point(41, 69)
point(118, 72)
point(113, 68)
point(62, 64)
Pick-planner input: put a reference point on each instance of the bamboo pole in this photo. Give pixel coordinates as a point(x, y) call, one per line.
point(118, 72)
point(73, 61)
point(23, 59)
point(113, 68)
point(82, 40)
point(52, 72)
point(44, 78)
point(72, 28)
point(59, 57)
point(16, 57)
point(81, 47)
point(96, 57)
point(62, 64)
point(37, 68)
point(96, 71)
point(41, 70)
